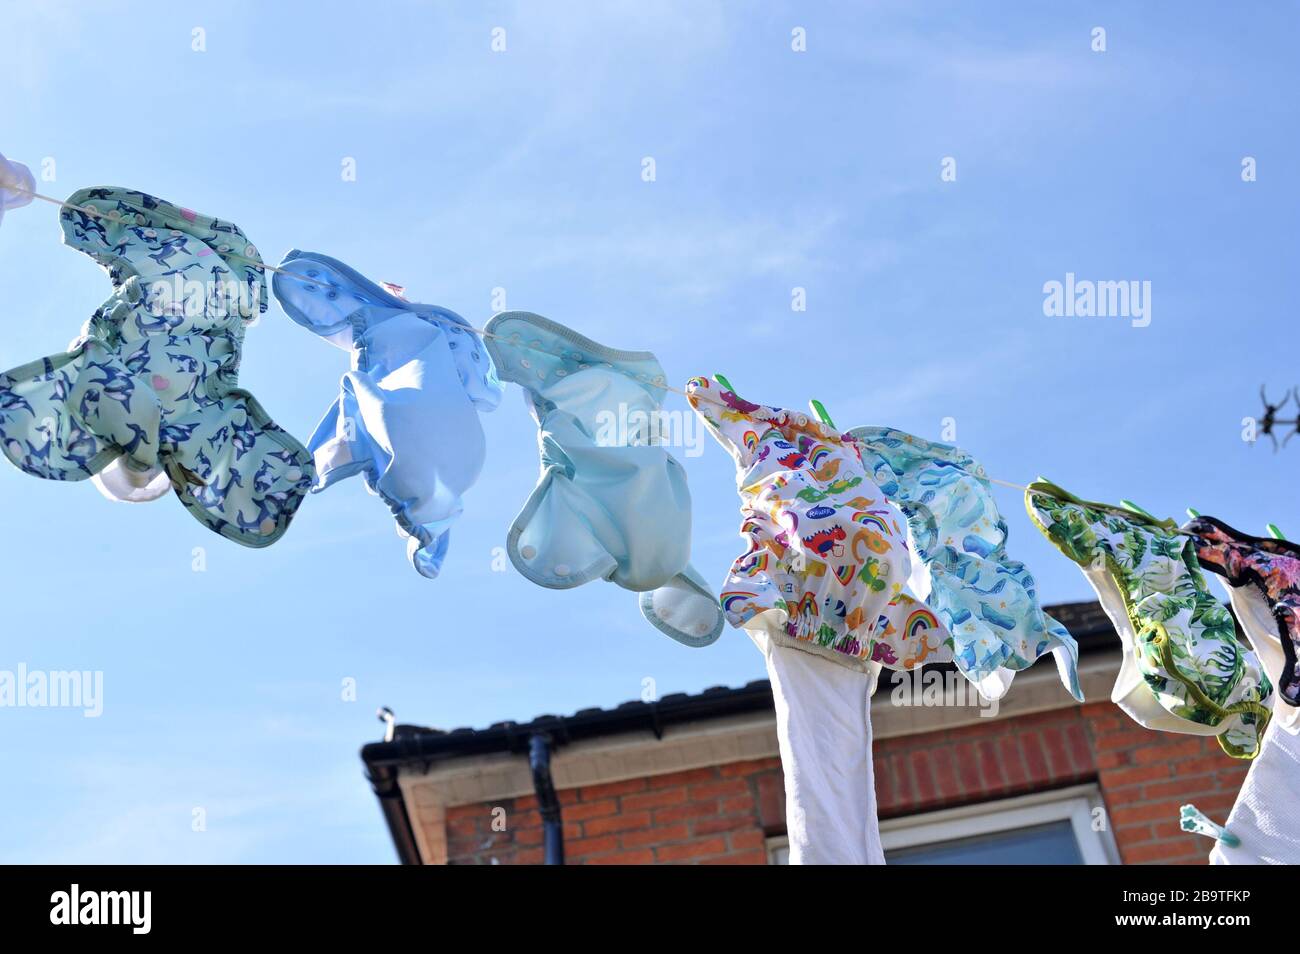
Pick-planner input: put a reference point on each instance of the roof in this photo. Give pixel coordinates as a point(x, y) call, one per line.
point(414, 745)
point(1087, 622)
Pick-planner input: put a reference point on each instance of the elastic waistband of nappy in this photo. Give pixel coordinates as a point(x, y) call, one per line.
point(1044, 487)
point(568, 334)
point(1267, 544)
point(932, 450)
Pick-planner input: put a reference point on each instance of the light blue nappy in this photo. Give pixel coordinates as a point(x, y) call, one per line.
point(610, 504)
point(987, 600)
point(407, 418)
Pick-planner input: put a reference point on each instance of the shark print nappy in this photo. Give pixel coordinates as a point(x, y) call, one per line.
point(146, 399)
point(960, 565)
point(826, 557)
point(1184, 669)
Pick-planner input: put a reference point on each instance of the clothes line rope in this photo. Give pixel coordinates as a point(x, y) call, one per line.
point(263, 265)
point(481, 332)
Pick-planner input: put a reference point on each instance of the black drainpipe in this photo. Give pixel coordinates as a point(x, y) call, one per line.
point(539, 760)
point(383, 778)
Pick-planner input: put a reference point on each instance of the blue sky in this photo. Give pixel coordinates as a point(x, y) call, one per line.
point(521, 170)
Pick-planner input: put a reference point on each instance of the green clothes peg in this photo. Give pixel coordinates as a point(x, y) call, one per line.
point(1274, 532)
point(1193, 513)
point(1131, 506)
point(1192, 819)
point(721, 379)
point(820, 410)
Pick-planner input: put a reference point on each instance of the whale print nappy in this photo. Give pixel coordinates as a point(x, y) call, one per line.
point(147, 398)
point(826, 556)
point(611, 502)
point(407, 417)
point(958, 542)
point(1184, 669)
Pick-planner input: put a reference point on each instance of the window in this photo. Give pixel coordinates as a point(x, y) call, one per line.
point(1050, 844)
point(1046, 828)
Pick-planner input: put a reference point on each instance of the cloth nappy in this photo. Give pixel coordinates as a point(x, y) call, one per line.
point(1264, 817)
point(611, 502)
point(145, 400)
point(16, 186)
point(1184, 670)
point(827, 558)
point(1262, 577)
point(408, 415)
point(960, 563)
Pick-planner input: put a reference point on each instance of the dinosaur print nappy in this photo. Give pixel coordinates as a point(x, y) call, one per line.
point(611, 502)
point(1184, 669)
point(1262, 577)
point(958, 542)
point(826, 557)
point(147, 397)
point(407, 417)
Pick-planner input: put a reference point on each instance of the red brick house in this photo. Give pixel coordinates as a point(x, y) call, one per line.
point(697, 778)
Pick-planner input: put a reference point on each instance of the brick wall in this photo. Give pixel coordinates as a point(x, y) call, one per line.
point(1145, 776)
point(717, 815)
point(993, 759)
point(723, 814)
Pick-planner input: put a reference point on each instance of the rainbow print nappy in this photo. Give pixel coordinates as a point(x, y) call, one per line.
point(827, 558)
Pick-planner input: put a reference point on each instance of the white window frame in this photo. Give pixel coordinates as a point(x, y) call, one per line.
point(1079, 804)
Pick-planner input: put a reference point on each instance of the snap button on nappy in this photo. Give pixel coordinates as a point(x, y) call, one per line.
point(525, 363)
point(561, 569)
point(140, 219)
point(251, 251)
point(528, 552)
point(293, 474)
